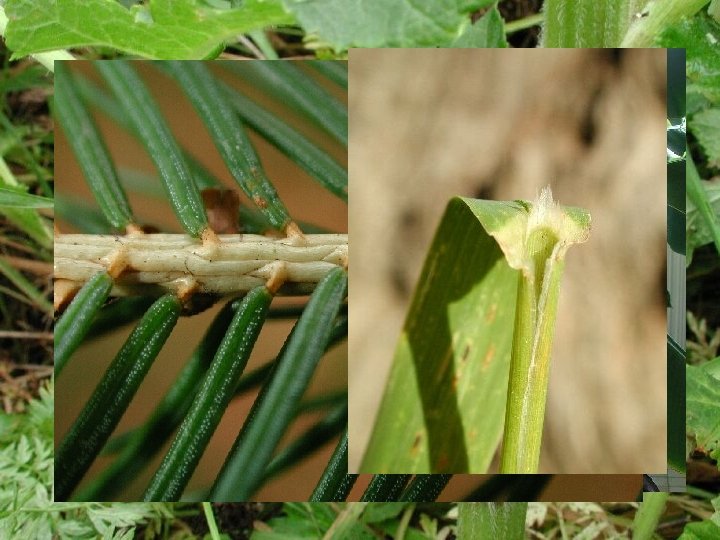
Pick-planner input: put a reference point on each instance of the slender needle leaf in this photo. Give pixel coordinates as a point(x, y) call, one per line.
point(426, 487)
point(144, 115)
point(335, 484)
point(334, 70)
point(385, 487)
point(74, 324)
point(292, 143)
point(137, 447)
point(230, 138)
point(275, 407)
point(212, 399)
point(291, 86)
point(113, 394)
point(90, 150)
point(311, 440)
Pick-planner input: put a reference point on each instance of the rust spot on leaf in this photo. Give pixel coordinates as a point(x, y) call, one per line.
point(465, 353)
point(489, 355)
point(416, 444)
point(260, 202)
point(441, 463)
point(490, 315)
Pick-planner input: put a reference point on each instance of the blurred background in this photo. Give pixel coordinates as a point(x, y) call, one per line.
point(426, 125)
point(306, 201)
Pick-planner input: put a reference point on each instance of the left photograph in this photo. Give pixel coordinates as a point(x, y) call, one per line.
point(200, 278)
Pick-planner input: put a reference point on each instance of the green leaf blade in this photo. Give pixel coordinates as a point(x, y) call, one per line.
point(376, 23)
point(291, 86)
point(230, 139)
point(90, 149)
point(487, 32)
point(272, 412)
point(113, 394)
point(429, 419)
point(292, 143)
point(75, 323)
point(212, 399)
point(142, 111)
point(172, 29)
point(335, 484)
point(17, 198)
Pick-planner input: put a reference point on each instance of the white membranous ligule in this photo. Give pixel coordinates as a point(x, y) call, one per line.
point(179, 263)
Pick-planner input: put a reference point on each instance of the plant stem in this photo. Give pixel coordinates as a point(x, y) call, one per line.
point(657, 16)
point(586, 23)
point(210, 517)
point(150, 263)
point(648, 516)
point(546, 238)
point(529, 371)
point(522, 24)
point(263, 43)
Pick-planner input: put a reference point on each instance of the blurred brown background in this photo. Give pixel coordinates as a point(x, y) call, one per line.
point(429, 124)
point(306, 201)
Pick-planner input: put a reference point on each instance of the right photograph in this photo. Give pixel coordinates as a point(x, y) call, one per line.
point(510, 239)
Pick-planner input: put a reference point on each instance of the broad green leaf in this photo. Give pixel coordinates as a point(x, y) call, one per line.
point(444, 404)
point(698, 233)
point(487, 32)
point(178, 29)
point(700, 36)
point(703, 410)
point(343, 24)
point(705, 127)
point(701, 530)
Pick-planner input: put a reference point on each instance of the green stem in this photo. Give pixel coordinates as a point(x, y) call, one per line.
point(586, 23)
point(648, 516)
point(548, 234)
point(210, 517)
point(656, 17)
point(263, 43)
point(522, 24)
point(529, 369)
